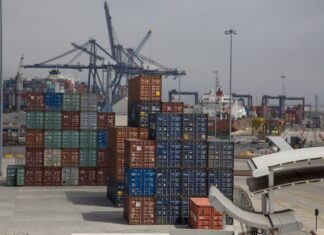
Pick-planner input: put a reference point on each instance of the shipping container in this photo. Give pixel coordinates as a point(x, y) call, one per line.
point(15, 175)
point(52, 139)
point(89, 102)
point(194, 127)
point(52, 120)
point(102, 158)
point(145, 88)
point(203, 215)
point(34, 176)
point(115, 191)
point(105, 120)
point(172, 107)
point(52, 176)
point(20, 180)
point(143, 133)
point(220, 155)
point(70, 176)
point(34, 101)
point(70, 139)
point(168, 182)
point(165, 126)
point(34, 138)
point(87, 176)
point(194, 182)
point(168, 154)
point(53, 101)
point(140, 182)
point(88, 139)
point(138, 112)
point(102, 139)
point(116, 166)
point(139, 210)
point(71, 102)
point(70, 157)
point(117, 136)
point(101, 177)
point(88, 157)
point(34, 157)
point(194, 155)
point(168, 210)
point(88, 121)
point(139, 153)
point(35, 120)
point(71, 120)
point(52, 157)
point(222, 179)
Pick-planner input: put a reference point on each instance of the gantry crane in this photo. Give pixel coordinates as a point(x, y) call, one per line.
point(19, 85)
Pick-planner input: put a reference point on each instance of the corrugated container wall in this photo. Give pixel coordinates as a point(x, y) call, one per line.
point(140, 182)
point(52, 120)
point(35, 120)
point(139, 210)
point(34, 101)
point(70, 139)
point(88, 121)
point(138, 112)
point(89, 102)
point(53, 101)
point(70, 120)
point(71, 102)
point(145, 88)
point(165, 126)
point(140, 153)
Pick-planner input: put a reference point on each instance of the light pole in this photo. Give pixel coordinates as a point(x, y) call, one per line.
point(230, 32)
point(283, 77)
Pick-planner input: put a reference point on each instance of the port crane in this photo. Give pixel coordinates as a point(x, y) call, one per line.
point(118, 63)
point(19, 85)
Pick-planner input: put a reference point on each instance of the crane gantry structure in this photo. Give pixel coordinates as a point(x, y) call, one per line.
point(118, 63)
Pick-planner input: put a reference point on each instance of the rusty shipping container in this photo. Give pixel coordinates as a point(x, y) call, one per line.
point(34, 101)
point(101, 176)
point(172, 107)
point(34, 176)
point(34, 157)
point(71, 120)
point(52, 176)
point(203, 215)
point(70, 157)
point(145, 88)
point(87, 176)
point(116, 166)
point(143, 133)
point(117, 137)
point(139, 210)
point(102, 158)
point(140, 153)
point(105, 120)
point(34, 138)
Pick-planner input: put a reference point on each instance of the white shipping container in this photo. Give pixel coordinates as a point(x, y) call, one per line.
point(52, 157)
point(88, 121)
point(70, 176)
point(89, 102)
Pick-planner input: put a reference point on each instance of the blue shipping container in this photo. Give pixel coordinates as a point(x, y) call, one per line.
point(138, 113)
point(168, 182)
point(115, 191)
point(194, 183)
point(194, 155)
point(102, 139)
point(168, 210)
point(222, 179)
point(165, 126)
point(53, 101)
point(140, 182)
point(220, 155)
point(194, 127)
point(168, 154)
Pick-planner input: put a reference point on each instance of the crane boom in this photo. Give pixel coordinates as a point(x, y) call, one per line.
point(110, 31)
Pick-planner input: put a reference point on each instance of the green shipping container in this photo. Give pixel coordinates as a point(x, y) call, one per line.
point(52, 120)
point(70, 139)
point(88, 157)
point(71, 102)
point(20, 176)
point(15, 175)
point(52, 139)
point(35, 120)
point(88, 139)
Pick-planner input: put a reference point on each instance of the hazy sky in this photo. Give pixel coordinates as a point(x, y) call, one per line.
point(275, 37)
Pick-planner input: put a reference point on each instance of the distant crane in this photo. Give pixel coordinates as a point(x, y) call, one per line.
point(19, 85)
point(316, 103)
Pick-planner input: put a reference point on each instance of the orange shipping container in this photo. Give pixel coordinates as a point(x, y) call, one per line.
point(203, 215)
point(139, 210)
point(140, 153)
point(172, 107)
point(143, 133)
point(145, 88)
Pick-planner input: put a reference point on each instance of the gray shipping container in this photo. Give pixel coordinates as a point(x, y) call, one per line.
point(52, 157)
point(89, 102)
point(70, 176)
point(88, 121)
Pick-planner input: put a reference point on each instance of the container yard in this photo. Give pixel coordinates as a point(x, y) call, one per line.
point(129, 145)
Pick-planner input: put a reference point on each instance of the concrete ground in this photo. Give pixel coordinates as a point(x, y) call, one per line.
point(66, 210)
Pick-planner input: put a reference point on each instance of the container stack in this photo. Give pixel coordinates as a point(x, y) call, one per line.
point(66, 140)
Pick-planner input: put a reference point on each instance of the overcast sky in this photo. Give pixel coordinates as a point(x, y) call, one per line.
point(275, 37)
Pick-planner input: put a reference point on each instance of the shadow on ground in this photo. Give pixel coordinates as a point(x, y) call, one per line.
point(115, 217)
point(88, 198)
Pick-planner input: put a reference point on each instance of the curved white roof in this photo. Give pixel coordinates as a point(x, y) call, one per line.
point(260, 166)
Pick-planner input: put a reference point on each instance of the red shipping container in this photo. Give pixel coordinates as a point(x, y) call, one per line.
point(34, 157)
point(52, 176)
point(87, 176)
point(117, 136)
point(101, 176)
point(105, 120)
point(71, 120)
point(145, 88)
point(202, 215)
point(172, 107)
point(102, 158)
point(34, 138)
point(70, 157)
point(139, 210)
point(34, 101)
point(140, 153)
point(116, 166)
point(33, 176)
point(143, 133)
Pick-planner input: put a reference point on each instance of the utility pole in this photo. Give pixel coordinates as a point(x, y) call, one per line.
point(283, 77)
point(1, 90)
point(230, 32)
